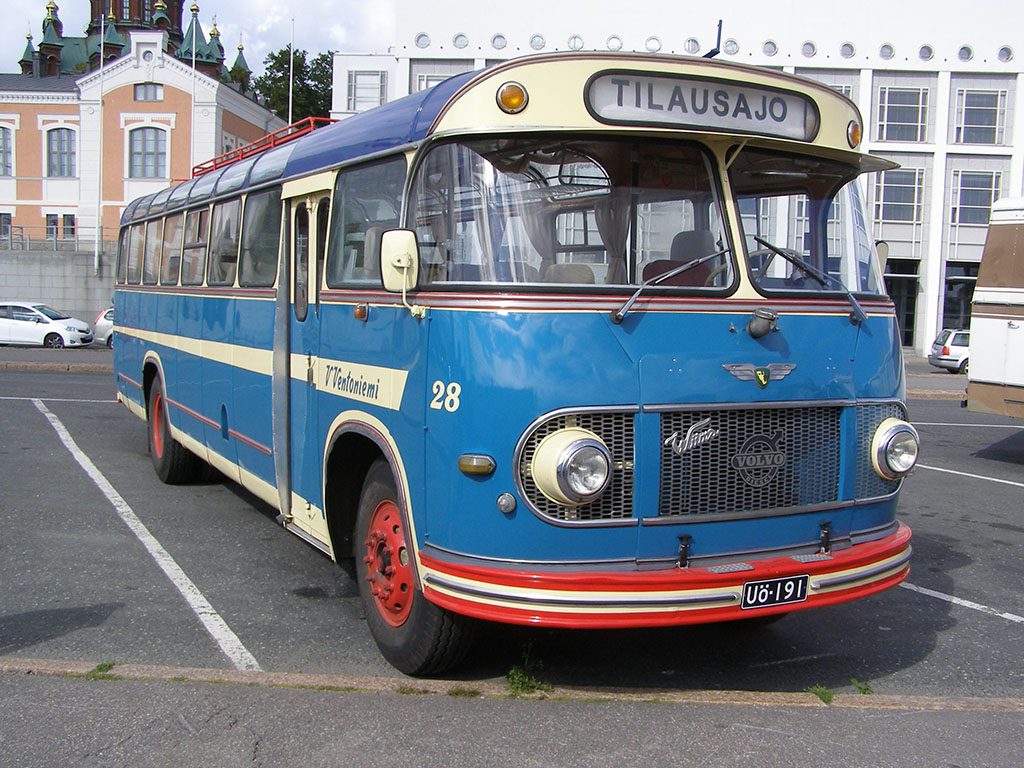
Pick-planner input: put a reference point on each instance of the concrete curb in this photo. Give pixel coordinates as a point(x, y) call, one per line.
point(490, 689)
point(72, 367)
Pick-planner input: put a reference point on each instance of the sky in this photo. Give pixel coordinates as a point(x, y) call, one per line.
point(264, 26)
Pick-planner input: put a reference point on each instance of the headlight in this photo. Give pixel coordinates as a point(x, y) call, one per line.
point(572, 466)
point(71, 329)
point(894, 448)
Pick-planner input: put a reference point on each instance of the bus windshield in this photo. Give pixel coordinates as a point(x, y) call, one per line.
point(810, 211)
point(569, 211)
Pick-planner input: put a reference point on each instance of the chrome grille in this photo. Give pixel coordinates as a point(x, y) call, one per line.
point(867, 484)
point(616, 430)
point(760, 459)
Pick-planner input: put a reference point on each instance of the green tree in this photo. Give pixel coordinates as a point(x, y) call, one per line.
point(311, 84)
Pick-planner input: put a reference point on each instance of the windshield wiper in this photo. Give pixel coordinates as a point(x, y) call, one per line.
point(856, 316)
point(619, 314)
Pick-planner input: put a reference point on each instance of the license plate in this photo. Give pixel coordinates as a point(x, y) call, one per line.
point(761, 594)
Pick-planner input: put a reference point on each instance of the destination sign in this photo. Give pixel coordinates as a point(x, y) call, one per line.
point(631, 98)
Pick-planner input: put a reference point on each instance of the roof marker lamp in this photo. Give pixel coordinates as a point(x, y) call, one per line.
point(572, 466)
point(894, 449)
point(512, 98)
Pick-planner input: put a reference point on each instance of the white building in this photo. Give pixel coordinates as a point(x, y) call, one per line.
point(937, 83)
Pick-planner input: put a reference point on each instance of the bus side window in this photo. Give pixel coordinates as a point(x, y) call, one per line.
point(154, 239)
point(323, 218)
point(193, 256)
point(122, 257)
point(366, 202)
point(135, 248)
point(224, 243)
point(300, 260)
point(261, 234)
point(172, 250)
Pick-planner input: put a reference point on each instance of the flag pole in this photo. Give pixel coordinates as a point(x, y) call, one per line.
point(99, 156)
point(291, 66)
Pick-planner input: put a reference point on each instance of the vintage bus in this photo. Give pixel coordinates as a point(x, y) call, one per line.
point(578, 340)
point(995, 381)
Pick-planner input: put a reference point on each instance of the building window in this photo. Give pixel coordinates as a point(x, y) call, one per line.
point(147, 153)
point(980, 117)
point(126, 12)
point(52, 221)
point(5, 225)
point(899, 196)
point(147, 13)
point(961, 278)
point(149, 92)
point(972, 194)
point(902, 114)
point(68, 226)
point(367, 90)
point(429, 81)
point(60, 152)
point(6, 142)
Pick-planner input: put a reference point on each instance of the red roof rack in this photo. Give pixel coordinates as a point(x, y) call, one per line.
point(271, 140)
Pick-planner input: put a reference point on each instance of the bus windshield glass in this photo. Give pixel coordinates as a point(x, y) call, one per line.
point(810, 211)
point(570, 211)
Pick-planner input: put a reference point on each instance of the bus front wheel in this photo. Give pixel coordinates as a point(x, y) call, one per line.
point(174, 464)
point(416, 636)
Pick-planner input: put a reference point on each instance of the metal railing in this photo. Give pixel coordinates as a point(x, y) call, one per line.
point(21, 237)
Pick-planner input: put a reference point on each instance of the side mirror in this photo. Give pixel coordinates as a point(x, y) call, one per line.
point(399, 260)
point(883, 252)
point(400, 265)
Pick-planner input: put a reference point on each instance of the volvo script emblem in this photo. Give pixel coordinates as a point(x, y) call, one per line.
point(761, 374)
point(759, 459)
point(700, 432)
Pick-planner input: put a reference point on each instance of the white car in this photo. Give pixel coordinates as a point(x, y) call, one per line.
point(103, 327)
point(32, 323)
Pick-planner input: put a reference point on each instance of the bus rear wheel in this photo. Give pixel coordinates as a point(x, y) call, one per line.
point(174, 464)
point(413, 634)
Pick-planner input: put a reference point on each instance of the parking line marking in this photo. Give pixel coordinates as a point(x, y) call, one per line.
point(968, 474)
point(56, 399)
point(964, 603)
point(211, 620)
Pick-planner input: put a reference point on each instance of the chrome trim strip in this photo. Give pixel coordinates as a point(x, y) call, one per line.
point(749, 405)
point(577, 602)
point(878, 570)
point(714, 517)
point(457, 558)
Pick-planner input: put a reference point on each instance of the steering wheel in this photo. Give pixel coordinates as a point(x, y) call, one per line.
point(710, 279)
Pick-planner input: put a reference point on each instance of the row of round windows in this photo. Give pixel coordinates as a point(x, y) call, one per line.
point(731, 47)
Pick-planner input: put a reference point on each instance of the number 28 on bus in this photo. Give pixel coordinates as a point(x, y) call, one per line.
point(577, 340)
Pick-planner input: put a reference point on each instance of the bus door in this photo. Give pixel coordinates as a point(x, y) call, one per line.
point(296, 403)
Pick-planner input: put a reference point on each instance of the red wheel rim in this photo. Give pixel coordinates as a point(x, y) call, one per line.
point(388, 565)
point(157, 418)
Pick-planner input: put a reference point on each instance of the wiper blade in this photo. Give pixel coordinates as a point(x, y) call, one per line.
point(858, 315)
point(620, 314)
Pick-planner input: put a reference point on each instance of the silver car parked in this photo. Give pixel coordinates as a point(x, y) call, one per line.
point(949, 350)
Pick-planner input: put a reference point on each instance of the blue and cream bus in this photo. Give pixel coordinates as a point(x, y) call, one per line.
point(578, 340)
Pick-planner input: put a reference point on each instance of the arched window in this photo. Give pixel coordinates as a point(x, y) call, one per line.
point(147, 153)
point(60, 152)
point(6, 151)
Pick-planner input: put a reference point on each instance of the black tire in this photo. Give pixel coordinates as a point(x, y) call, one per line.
point(110, 340)
point(174, 464)
point(963, 366)
point(413, 634)
point(53, 341)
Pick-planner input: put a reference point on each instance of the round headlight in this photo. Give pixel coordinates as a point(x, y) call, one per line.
point(584, 469)
point(572, 466)
point(894, 448)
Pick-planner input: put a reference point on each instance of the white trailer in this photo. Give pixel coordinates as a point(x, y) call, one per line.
point(996, 374)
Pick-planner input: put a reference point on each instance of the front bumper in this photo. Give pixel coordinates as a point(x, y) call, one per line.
point(601, 599)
